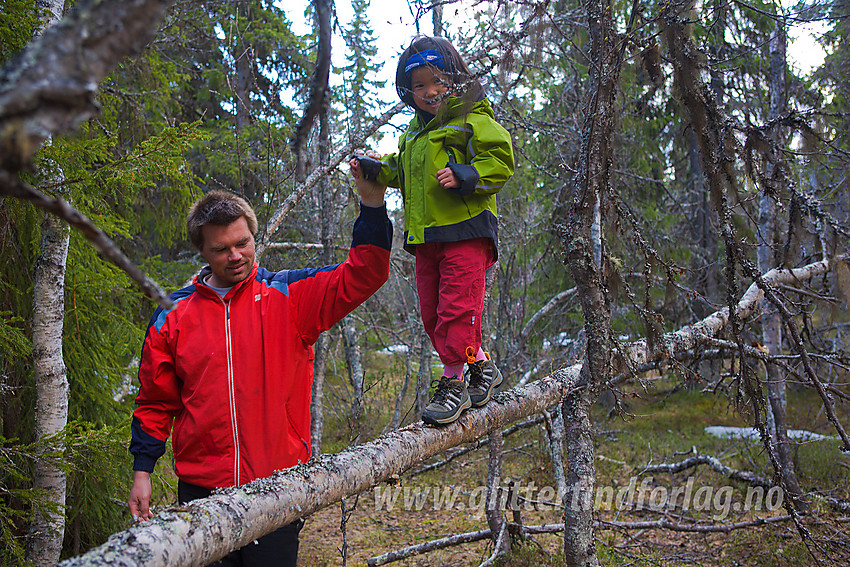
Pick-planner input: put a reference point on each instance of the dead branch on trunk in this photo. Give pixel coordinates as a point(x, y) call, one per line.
point(52, 88)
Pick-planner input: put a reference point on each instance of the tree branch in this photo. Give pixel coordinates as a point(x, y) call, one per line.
point(205, 530)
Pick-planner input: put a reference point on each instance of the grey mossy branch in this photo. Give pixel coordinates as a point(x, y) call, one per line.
point(715, 464)
point(660, 524)
point(51, 89)
point(205, 530)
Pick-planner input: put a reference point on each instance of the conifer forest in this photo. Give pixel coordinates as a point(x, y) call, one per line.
point(669, 308)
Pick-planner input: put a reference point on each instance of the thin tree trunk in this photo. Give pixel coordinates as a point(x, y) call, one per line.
point(590, 190)
point(51, 381)
point(494, 509)
point(355, 366)
point(423, 377)
point(437, 17)
point(205, 530)
point(47, 529)
point(242, 97)
point(317, 412)
point(771, 322)
point(554, 418)
point(326, 227)
point(402, 394)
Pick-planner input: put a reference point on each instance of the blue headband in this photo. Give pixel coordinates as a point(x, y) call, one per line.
point(426, 57)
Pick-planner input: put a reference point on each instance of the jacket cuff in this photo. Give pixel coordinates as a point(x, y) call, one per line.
point(467, 175)
point(146, 448)
point(373, 226)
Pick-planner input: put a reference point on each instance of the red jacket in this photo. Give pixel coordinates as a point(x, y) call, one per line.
point(233, 376)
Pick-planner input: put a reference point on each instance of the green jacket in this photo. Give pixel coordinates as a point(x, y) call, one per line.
point(465, 134)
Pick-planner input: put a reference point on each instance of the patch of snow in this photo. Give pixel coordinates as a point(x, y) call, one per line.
point(394, 349)
point(725, 432)
point(561, 340)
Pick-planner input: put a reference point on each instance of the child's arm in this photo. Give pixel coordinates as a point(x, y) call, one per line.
point(492, 163)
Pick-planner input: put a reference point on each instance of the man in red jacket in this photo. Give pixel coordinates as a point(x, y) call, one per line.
point(228, 370)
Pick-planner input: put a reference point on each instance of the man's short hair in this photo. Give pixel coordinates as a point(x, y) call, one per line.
point(219, 208)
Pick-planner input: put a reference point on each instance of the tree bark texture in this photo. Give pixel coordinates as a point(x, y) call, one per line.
point(582, 241)
point(768, 243)
point(493, 510)
point(47, 529)
point(205, 530)
point(355, 366)
point(554, 419)
point(51, 89)
point(51, 383)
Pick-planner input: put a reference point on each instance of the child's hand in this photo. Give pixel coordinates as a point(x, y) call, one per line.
point(369, 169)
point(371, 193)
point(448, 179)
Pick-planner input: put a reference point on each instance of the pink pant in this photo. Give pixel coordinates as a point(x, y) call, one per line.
point(450, 283)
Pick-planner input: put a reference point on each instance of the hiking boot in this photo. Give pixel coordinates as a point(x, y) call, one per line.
point(482, 378)
point(447, 403)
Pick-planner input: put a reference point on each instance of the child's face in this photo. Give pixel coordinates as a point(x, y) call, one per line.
point(428, 84)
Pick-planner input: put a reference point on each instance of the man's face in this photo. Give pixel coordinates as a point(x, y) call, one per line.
point(229, 250)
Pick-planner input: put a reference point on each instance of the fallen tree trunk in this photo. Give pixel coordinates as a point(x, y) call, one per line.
point(205, 530)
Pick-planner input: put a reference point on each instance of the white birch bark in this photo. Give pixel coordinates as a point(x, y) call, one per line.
point(205, 530)
point(47, 529)
point(51, 383)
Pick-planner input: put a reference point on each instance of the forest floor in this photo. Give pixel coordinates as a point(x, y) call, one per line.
point(665, 424)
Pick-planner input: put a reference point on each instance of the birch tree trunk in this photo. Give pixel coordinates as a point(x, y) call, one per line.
point(768, 241)
point(423, 377)
point(47, 529)
point(204, 530)
point(51, 383)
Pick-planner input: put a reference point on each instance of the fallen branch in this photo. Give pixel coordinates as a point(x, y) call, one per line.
point(665, 524)
point(714, 463)
point(205, 530)
point(434, 545)
point(470, 537)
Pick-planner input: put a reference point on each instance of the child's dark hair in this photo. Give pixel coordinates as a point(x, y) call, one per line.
point(464, 83)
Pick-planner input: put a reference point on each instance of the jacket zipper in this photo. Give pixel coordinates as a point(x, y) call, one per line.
point(231, 388)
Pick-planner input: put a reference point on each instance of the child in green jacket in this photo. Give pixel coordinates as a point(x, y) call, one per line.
point(452, 160)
